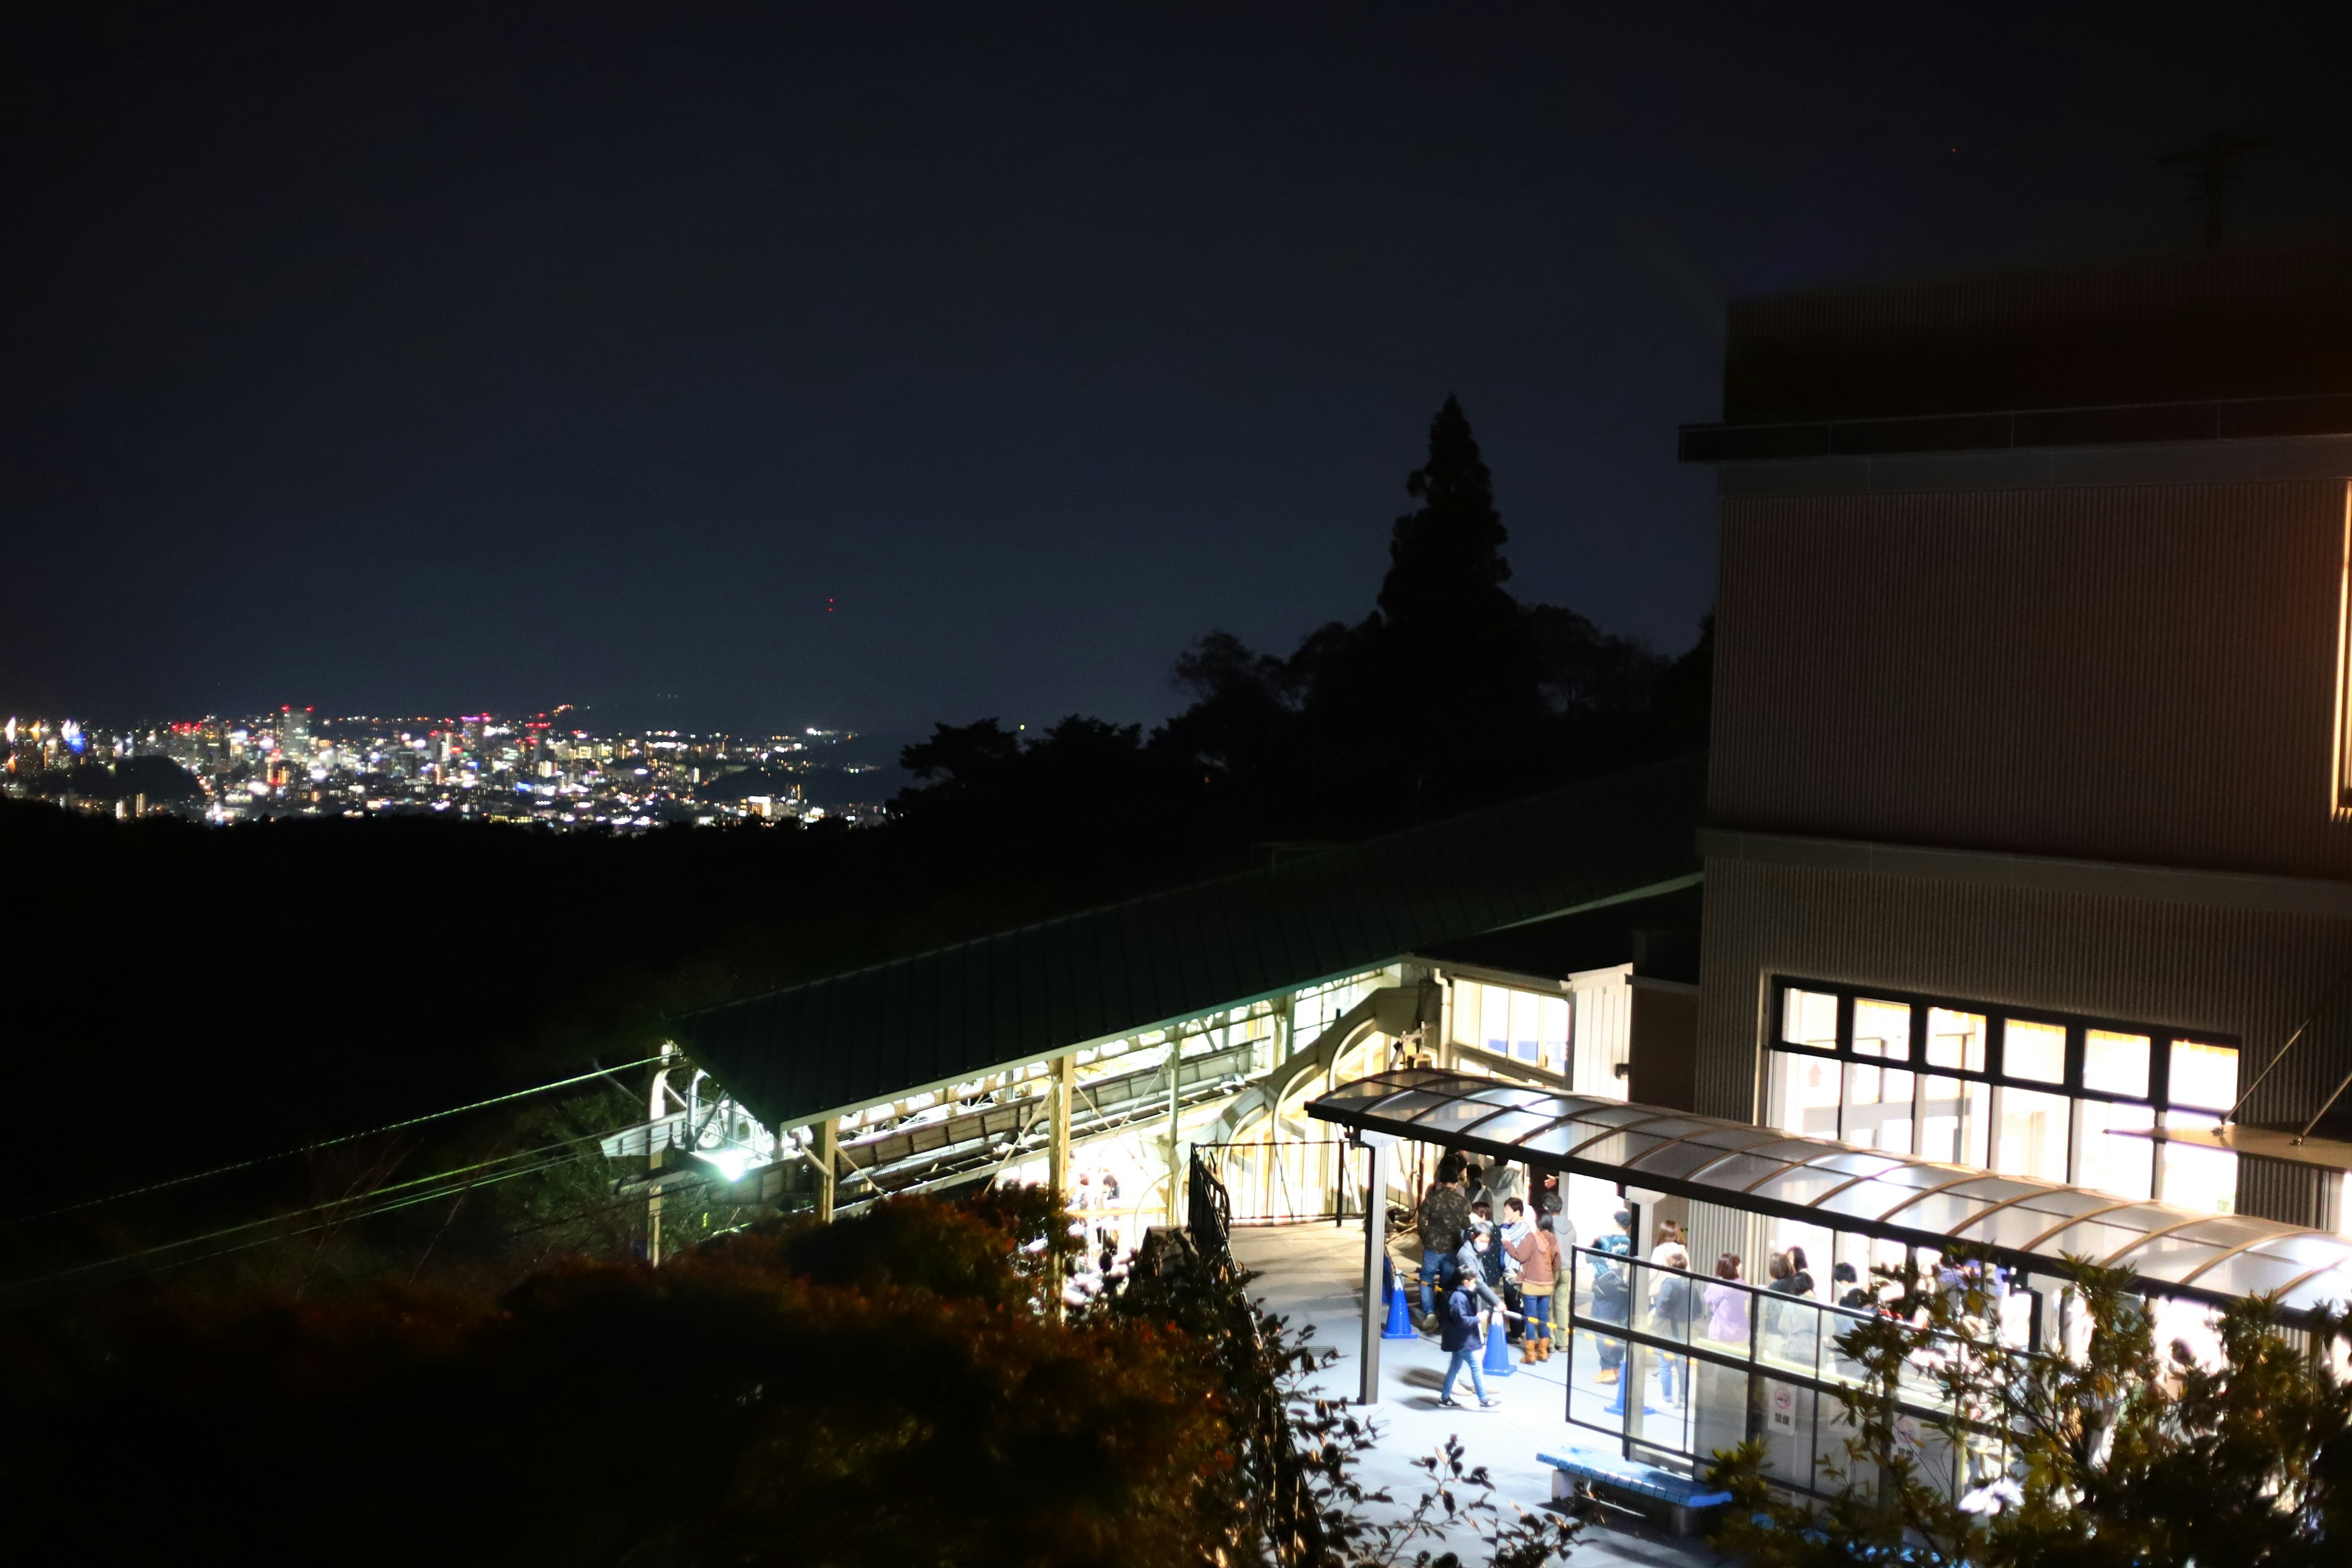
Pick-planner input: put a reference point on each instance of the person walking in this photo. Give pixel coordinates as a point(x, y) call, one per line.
point(1538, 1252)
point(1461, 1343)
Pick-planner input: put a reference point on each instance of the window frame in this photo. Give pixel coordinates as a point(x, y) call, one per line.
point(2161, 1038)
point(1997, 1016)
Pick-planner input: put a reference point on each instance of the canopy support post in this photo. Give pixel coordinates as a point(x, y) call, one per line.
point(1378, 1149)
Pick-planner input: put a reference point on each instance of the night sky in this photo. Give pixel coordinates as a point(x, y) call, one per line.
point(744, 365)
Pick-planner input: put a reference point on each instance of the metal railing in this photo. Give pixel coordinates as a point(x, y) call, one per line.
point(1284, 1181)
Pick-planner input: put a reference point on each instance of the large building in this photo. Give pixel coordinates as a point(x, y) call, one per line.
point(2029, 840)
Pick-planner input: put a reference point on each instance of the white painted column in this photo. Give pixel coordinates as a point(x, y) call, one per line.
point(1378, 1149)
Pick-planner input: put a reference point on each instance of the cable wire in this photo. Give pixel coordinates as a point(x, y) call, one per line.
point(324, 1143)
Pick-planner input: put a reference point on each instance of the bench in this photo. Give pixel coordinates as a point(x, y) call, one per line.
point(1640, 1489)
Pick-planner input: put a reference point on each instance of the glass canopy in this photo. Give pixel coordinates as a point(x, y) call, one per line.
point(1925, 1202)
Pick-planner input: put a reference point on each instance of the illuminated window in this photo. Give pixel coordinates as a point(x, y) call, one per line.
point(2035, 1051)
point(2203, 1076)
point(1527, 1025)
point(1882, 1029)
point(1955, 1039)
point(2032, 1139)
point(1808, 1018)
point(2089, 1102)
point(2195, 1176)
point(2106, 1157)
point(1555, 1033)
point(2114, 1063)
point(1877, 1112)
point(1805, 1095)
point(1954, 1118)
point(2342, 780)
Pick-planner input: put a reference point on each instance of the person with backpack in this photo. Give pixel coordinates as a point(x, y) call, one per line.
point(1613, 1294)
point(1463, 1342)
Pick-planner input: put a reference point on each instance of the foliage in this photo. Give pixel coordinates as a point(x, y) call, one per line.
point(725, 1408)
point(2122, 1453)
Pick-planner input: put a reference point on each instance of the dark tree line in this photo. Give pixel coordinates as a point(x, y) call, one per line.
point(1449, 695)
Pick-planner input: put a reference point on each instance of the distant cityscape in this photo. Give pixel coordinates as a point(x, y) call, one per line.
point(550, 769)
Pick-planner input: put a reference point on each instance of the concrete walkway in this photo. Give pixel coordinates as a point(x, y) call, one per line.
point(1310, 1275)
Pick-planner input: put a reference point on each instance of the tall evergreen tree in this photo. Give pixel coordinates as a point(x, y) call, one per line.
point(1446, 559)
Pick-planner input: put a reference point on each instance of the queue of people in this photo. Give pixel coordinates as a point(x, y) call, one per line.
point(1487, 1254)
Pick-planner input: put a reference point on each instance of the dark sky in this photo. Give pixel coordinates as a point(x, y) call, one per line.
point(865, 365)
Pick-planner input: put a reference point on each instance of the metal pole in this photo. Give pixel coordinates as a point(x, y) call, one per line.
point(657, 1106)
point(828, 1140)
point(1057, 1160)
point(1375, 1253)
point(1175, 1173)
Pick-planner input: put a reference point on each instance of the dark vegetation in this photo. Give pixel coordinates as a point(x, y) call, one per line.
point(182, 997)
point(884, 1392)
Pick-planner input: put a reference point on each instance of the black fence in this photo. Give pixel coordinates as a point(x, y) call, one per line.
point(1286, 1181)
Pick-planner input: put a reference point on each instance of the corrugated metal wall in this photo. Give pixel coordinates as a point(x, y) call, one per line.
point(2129, 673)
point(2253, 977)
point(2247, 321)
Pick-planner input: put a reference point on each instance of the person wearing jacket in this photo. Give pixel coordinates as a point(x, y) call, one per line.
point(1613, 1294)
point(1799, 1329)
point(1445, 1211)
point(1471, 1264)
point(1461, 1344)
point(1538, 1252)
point(1670, 1295)
point(1727, 1304)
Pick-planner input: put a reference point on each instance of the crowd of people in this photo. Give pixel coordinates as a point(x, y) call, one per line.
point(1490, 1253)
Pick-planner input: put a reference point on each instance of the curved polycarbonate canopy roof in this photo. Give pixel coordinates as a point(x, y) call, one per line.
point(1925, 1202)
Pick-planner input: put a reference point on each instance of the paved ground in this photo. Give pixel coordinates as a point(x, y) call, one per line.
point(1310, 1274)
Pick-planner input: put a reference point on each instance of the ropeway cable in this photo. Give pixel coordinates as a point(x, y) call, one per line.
point(260, 1160)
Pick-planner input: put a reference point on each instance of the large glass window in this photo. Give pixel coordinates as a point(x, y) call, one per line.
point(2085, 1101)
point(1527, 1025)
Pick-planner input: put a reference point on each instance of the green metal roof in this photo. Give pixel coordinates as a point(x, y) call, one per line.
point(955, 1013)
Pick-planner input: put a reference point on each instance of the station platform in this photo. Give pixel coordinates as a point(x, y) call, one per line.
point(1310, 1274)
